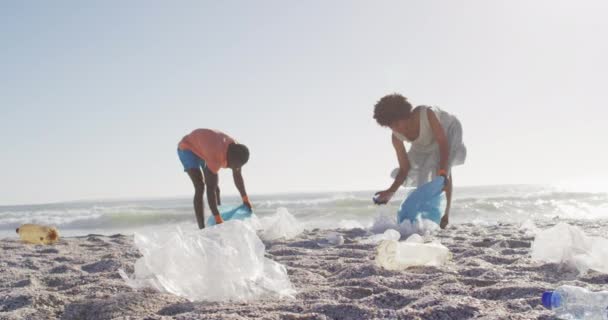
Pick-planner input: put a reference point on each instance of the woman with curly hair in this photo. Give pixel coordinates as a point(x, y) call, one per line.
point(436, 145)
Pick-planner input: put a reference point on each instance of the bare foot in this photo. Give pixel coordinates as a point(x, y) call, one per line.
point(444, 221)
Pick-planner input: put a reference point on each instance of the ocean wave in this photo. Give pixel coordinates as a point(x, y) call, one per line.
point(481, 205)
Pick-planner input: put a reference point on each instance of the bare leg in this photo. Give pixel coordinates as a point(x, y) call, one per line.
point(199, 190)
point(448, 194)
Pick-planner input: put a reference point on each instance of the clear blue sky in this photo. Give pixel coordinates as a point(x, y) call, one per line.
point(94, 96)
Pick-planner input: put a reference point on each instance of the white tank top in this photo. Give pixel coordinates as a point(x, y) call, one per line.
point(425, 140)
point(424, 152)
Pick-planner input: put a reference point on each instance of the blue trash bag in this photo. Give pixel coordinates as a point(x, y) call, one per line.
point(425, 202)
point(230, 213)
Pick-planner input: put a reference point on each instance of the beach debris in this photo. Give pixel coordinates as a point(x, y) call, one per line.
point(529, 228)
point(389, 234)
point(421, 227)
point(570, 246)
point(350, 224)
point(220, 263)
point(570, 302)
point(395, 255)
point(280, 225)
point(38, 234)
point(383, 222)
point(332, 239)
point(407, 228)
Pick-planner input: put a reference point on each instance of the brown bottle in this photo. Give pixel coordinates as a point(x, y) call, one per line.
point(37, 234)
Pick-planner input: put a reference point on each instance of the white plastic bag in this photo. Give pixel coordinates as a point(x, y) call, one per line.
point(569, 245)
point(406, 228)
point(529, 228)
point(220, 263)
point(389, 234)
point(280, 225)
point(332, 239)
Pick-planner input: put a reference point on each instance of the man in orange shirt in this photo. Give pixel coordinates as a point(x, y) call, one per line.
point(210, 150)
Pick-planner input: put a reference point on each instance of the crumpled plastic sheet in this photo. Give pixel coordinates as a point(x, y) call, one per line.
point(280, 225)
point(421, 226)
point(569, 245)
point(389, 234)
point(219, 263)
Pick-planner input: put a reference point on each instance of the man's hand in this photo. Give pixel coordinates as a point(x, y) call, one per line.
point(240, 185)
point(247, 203)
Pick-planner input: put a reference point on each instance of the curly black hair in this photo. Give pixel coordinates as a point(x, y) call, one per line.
point(238, 154)
point(390, 108)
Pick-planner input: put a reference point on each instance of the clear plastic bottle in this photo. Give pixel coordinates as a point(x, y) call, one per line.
point(37, 234)
point(395, 255)
point(570, 302)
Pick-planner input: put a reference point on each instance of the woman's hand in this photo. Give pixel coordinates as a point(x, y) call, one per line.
point(382, 197)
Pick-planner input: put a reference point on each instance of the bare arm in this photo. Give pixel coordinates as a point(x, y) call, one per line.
point(441, 139)
point(383, 197)
point(404, 164)
point(240, 185)
point(211, 181)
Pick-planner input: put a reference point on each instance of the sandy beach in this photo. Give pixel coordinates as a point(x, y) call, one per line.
point(491, 276)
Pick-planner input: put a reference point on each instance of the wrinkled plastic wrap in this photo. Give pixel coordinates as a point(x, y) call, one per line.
point(395, 255)
point(406, 228)
point(389, 234)
point(529, 228)
point(280, 225)
point(569, 245)
point(332, 239)
point(220, 263)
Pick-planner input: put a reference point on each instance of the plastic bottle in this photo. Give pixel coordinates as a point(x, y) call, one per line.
point(395, 255)
point(37, 234)
point(570, 302)
point(376, 200)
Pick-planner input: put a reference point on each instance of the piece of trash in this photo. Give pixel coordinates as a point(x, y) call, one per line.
point(569, 245)
point(384, 222)
point(222, 263)
point(570, 302)
point(389, 234)
point(395, 255)
point(280, 225)
point(332, 239)
point(529, 228)
point(38, 234)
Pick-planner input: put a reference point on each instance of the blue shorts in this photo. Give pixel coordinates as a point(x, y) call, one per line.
point(190, 160)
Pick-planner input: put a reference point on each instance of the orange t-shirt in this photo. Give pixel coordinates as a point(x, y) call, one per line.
point(209, 145)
